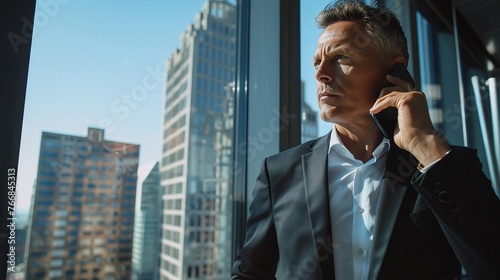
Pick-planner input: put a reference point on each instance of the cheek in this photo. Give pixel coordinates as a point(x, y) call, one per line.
point(345, 70)
point(369, 87)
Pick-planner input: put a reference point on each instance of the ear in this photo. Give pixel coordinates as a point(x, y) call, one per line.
point(397, 59)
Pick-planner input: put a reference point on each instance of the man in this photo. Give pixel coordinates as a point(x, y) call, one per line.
point(355, 205)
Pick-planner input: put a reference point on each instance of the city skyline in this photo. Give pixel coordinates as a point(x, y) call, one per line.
point(71, 89)
point(94, 74)
point(49, 84)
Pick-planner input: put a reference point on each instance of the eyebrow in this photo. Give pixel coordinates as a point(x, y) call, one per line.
point(340, 49)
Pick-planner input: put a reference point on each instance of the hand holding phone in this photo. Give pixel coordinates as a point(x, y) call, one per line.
point(387, 119)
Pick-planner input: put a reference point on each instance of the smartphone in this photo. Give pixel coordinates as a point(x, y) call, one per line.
point(387, 119)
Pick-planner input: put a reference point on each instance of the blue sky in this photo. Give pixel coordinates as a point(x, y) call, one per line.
point(102, 64)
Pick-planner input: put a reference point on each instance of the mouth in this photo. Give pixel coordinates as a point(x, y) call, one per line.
point(326, 95)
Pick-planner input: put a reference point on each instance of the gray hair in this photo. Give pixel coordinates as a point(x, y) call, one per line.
point(381, 24)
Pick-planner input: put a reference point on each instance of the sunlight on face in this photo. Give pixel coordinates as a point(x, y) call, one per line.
point(350, 72)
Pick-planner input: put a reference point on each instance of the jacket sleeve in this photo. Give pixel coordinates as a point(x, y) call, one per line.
point(468, 210)
point(259, 256)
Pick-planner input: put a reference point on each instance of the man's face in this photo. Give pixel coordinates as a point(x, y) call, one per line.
point(350, 73)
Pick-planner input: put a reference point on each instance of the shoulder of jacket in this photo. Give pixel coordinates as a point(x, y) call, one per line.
point(297, 151)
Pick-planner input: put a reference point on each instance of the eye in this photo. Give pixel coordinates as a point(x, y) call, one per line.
point(340, 56)
point(316, 64)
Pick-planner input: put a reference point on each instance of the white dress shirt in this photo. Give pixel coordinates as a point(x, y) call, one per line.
point(354, 193)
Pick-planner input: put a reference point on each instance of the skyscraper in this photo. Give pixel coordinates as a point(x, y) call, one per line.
point(195, 241)
point(146, 250)
point(83, 210)
point(309, 119)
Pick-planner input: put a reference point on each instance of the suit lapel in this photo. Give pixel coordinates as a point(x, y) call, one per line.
point(314, 166)
point(387, 212)
point(393, 188)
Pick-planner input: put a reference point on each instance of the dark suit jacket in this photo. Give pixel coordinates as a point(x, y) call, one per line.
point(427, 226)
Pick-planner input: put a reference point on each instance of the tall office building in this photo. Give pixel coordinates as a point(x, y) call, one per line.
point(83, 209)
point(309, 119)
point(147, 234)
point(196, 219)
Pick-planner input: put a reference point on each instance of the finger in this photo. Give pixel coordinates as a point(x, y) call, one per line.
point(387, 90)
point(407, 86)
point(388, 100)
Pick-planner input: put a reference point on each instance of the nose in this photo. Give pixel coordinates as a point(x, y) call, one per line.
point(323, 74)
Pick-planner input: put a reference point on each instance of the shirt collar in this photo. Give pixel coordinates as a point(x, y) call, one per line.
point(337, 145)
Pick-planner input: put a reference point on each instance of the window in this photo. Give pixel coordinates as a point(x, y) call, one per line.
point(116, 95)
point(312, 125)
point(453, 101)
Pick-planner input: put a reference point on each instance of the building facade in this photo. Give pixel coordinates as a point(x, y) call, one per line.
point(195, 192)
point(147, 234)
point(309, 119)
point(83, 209)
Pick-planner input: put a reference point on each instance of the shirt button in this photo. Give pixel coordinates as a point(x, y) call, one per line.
point(361, 210)
point(361, 171)
point(360, 252)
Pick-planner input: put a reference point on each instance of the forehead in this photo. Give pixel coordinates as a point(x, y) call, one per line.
point(345, 32)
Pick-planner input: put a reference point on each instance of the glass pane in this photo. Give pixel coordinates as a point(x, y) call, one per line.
point(129, 111)
point(431, 83)
point(438, 63)
point(312, 125)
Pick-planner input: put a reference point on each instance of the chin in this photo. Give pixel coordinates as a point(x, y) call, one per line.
point(328, 116)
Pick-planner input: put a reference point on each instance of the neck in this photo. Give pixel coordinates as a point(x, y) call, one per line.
point(361, 142)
